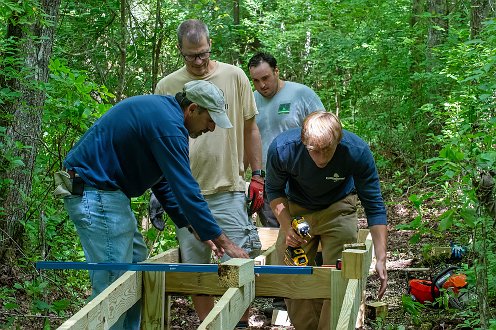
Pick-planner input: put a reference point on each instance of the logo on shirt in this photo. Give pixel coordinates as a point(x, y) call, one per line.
point(284, 108)
point(334, 178)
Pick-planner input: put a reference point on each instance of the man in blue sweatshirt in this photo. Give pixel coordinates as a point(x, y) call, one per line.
point(317, 172)
point(141, 143)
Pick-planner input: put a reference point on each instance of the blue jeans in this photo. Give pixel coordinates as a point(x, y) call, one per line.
point(108, 231)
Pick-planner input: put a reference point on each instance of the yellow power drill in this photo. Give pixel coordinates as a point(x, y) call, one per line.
point(296, 256)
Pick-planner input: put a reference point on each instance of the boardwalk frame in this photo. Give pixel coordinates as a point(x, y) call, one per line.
point(237, 285)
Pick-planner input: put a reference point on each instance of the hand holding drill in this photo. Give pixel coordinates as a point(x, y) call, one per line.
point(294, 254)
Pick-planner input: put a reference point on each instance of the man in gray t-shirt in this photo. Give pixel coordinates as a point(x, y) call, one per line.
point(281, 105)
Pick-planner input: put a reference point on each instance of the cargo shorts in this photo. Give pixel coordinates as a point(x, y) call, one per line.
point(229, 210)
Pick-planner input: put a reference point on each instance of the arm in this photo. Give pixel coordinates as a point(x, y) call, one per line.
point(253, 156)
point(369, 192)
point(277, 178)
point(379, 236)
point(171, 154)
point(168, 202)
point(280, 208)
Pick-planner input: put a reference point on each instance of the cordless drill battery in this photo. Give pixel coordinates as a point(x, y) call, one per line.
point(296, 256)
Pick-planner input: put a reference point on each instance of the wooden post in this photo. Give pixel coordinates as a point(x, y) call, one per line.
point(353, 263)
point(156, 302)
point(376, 309)
point(238, 274)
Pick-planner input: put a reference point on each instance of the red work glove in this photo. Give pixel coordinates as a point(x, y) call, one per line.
point(255, 194)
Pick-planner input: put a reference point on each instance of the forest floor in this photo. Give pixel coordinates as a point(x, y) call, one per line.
point(401, 256)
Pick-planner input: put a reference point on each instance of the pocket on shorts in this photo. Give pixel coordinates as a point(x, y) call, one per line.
point(252, 245)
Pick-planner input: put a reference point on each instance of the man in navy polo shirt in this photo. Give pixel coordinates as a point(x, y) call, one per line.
point(318, 172)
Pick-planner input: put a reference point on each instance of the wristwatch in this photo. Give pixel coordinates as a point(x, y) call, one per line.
point(259, 173)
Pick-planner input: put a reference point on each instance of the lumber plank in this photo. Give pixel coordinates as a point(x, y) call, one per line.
point(317, 285)
point(229, 309)
point(169, 256)
point(154, 301)
point(362, 235)
point(280, 317)
point(268, 236)
point(337, 292)
point(106, 308)
point(350, 305)
point(356, 246)
point(193, 283)
point(440, 250)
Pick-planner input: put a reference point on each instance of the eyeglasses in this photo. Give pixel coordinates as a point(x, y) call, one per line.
point(201, 56)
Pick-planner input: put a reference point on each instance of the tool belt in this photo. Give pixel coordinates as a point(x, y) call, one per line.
point(68, 183)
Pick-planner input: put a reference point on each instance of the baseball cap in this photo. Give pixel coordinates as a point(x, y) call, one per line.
point(208, 96)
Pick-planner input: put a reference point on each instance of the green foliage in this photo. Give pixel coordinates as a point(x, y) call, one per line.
point(413, 308)
point(156, 241)
point(430, 120)
point(418, 223)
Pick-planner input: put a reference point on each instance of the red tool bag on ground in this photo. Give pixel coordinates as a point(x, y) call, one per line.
point(448, 279)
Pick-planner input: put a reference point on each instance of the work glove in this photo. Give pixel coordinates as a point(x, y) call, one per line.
point(457, 251)
point(255, 195)
point(156, 212)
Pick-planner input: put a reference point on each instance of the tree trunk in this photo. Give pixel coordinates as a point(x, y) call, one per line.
point(417, 50)
point(438, 28)
point(485, 195)
point(122, 52)
point(34, 43)
point(157, 44)
point(236, 38)
point(481, 9)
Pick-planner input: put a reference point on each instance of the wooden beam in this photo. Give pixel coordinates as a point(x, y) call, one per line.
point(337, 292)
point(317, 285)
point(353, 263)
point(193, 283)
point(229, 309)
point(362, 235)
point(376, 309)
point(236, 272)
point(349, 308)
point(154, 301)
point(169, 256)
point(239, 275)
point(106, 308)
point(268, 236)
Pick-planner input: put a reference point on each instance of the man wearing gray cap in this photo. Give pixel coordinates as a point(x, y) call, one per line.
point(142, 143)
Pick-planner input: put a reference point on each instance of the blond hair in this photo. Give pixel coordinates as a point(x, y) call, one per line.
point(321, 130)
